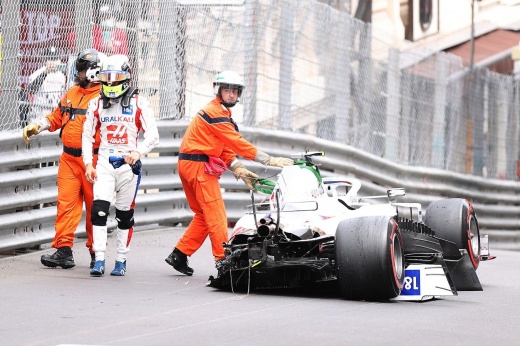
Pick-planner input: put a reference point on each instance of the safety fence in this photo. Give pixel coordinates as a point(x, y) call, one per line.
point(28, 184)
point(307, 68)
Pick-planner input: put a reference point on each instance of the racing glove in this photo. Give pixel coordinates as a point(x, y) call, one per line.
point(267, 160)
point(30, 130)
point(247, 176)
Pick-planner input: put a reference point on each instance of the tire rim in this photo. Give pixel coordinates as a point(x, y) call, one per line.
point(473, 240)
point(397, 259)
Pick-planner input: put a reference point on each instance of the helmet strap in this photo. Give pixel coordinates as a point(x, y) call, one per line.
point(228, 104)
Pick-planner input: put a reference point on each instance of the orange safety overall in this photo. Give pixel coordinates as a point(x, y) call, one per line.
point(211, 133)
point(73, 188)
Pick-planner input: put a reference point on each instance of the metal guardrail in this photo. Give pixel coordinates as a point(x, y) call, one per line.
point(28, 184)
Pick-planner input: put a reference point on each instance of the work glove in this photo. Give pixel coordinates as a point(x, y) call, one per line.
point(30, 130)
point(246, 175)
point(267, 160)
point(280, 162)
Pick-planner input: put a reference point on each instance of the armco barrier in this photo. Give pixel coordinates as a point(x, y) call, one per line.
point(28, 184)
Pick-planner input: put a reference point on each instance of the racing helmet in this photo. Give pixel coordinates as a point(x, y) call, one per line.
point(115, 76)
point(228, 79)
point(89, 60)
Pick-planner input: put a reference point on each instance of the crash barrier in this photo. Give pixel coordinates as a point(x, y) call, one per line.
point(28, 184)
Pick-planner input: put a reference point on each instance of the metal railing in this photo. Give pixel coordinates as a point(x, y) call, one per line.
point(307, 68)
point(28, 184)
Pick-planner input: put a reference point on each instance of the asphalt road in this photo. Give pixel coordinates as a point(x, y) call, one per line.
point(154, 305)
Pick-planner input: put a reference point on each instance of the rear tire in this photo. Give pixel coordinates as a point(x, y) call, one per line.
point(454, 219)
point(369, 258)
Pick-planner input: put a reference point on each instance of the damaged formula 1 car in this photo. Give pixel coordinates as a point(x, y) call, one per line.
point(314, 229)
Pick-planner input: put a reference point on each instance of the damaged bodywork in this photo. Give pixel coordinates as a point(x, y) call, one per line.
point(313, 229)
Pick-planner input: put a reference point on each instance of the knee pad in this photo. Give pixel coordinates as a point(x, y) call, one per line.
point(125, 219)
point(99, 214)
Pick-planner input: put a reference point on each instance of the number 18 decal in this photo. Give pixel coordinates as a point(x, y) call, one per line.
point(412, 283)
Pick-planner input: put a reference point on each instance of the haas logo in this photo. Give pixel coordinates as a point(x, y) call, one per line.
point(117, 134)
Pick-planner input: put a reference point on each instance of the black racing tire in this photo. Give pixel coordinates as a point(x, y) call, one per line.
point(454, 219)
point(369, 258)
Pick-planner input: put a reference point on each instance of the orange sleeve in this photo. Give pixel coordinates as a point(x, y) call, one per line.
point(55, 118)
point(213, 133)
point(219, 122)
point(70, 115)
point(228, 156)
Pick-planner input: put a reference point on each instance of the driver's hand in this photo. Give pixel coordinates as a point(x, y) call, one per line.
point(132, 158)
point(90, 173)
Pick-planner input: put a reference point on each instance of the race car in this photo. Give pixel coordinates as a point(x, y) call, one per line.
point(311, 229)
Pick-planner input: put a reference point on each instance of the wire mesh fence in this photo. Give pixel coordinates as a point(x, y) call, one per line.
point(307, 68)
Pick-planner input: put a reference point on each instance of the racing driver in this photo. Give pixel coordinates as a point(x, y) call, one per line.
point(120, 114)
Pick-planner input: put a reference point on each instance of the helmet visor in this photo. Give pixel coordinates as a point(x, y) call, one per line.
point(231, 86)
point(110, 77)
point(239, 88)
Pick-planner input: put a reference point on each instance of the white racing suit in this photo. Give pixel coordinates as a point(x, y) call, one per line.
point(119, 129)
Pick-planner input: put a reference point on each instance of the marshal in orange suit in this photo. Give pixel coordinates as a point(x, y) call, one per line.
point(73, 188)
point(209, 146)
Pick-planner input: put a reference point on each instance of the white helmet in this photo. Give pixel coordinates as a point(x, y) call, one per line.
point(116, 76)
point(228, 79)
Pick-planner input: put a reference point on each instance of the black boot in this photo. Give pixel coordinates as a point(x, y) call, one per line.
point(61, 258)
point(179, 262)
point(92, 260)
